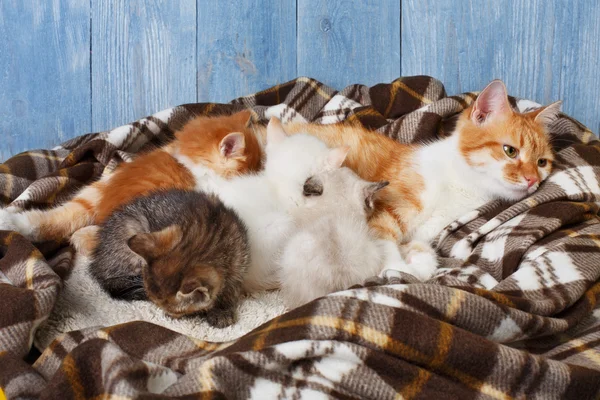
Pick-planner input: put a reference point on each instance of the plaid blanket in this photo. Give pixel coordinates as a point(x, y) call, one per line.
point(517, 318)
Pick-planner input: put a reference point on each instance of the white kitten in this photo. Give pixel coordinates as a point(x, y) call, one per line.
point(333, 248)
point(264, 201)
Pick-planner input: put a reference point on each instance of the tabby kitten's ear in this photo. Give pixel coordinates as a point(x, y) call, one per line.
point(275, 132)
point(336, 156)
point(233, 145)
point(156, 244)
point(548, 114)
point(491, 102)
point(369, 191)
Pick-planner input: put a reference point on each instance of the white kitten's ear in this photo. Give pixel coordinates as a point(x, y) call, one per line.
point(491, 102)
point(312, 187)
point(156, 244)
point(243, 117)
point(233, 145)
point(370, 189)
point(275, 132)
point(548, 114)
point(336, 156)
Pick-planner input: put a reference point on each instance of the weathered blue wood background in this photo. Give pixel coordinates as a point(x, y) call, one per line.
point(69, 67)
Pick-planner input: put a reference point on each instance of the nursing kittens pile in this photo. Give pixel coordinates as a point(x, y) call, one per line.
point(231, 207)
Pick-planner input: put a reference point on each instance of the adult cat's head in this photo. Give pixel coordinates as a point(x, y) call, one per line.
point(510, 151)
point(291, 160)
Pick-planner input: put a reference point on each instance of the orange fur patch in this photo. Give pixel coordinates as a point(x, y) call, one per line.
point(375, 158)
point(520, 131)
point(147, 173)
point(200, 139)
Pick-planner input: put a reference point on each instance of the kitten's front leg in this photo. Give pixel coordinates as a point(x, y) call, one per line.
point(223, 313)
point(421, 256)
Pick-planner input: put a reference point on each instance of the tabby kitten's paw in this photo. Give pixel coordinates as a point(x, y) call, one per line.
point(220, 318)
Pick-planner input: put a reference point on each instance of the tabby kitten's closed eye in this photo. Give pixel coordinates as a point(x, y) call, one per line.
point(183, 250)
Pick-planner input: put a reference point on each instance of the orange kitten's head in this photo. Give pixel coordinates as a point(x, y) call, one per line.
point(510, 149)
point(226, 144)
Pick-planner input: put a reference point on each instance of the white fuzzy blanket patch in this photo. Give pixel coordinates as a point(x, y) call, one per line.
point(83, 304)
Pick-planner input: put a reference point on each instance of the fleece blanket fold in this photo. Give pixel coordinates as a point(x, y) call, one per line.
point(512, 313)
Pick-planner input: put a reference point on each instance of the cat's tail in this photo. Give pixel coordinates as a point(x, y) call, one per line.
point(57, 223)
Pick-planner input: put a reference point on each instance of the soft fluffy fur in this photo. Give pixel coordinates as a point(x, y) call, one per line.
point(191, 251)
point(334, 247)
point(82, 303)
point(264, 201)
point(433, 184)
point(223, 146)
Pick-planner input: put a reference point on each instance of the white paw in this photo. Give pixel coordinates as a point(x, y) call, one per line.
point(421, 257)
point(7, 221)
point(461, 250)
point(393, 270)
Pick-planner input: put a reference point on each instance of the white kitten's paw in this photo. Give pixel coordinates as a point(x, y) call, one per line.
point(85, 240)
point(7, 221)
point(462, 249)
point(421, 257)
point(395, 270)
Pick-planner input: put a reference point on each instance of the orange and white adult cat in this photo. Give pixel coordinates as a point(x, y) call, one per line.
point(494, 153)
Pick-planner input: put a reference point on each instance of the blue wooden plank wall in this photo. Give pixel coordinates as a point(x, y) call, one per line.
point(69, 67)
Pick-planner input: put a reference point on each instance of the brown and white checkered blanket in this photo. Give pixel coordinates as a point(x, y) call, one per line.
point(518, 319)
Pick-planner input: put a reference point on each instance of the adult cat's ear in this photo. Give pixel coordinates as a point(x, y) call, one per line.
point(369, 191)
point(336, 156)
point(155, 244)
point(275, 132)
point(233, 145)
point(548, 114)
point(491, 102)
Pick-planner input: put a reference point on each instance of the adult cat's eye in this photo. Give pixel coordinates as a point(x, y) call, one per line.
point(510, 151)
point(542, 162)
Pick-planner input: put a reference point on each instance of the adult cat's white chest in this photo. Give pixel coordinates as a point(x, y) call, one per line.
point(451, 189)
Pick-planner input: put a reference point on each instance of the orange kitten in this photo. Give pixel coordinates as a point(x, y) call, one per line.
point(223, 146)
point(494, 153)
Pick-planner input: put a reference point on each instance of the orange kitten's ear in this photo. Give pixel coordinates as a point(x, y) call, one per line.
point(275, 132)
point(491, 102)
point(243, 117)
point(336, 156)
point(156, 244)
point(548, 114)
point(370, 189)
point(233, 145)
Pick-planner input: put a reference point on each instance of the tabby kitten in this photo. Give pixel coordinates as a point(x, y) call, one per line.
point(183, 250)
point(494, 153)
point(333, 247)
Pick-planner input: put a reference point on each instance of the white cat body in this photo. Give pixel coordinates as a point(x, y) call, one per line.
point(333, 247)
point(452, 189)
point(264, 201)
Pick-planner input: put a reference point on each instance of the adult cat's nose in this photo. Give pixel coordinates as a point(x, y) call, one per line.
point(531, 180)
